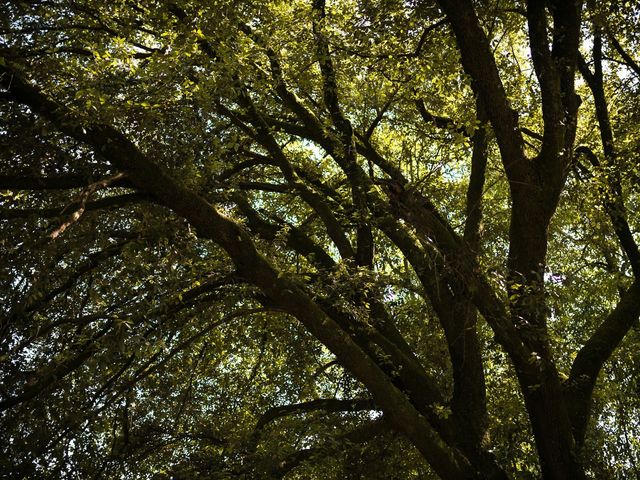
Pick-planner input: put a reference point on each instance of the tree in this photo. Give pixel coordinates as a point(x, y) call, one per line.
point(361, 239)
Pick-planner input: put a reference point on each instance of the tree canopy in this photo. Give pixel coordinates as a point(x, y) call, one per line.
point(307, 239)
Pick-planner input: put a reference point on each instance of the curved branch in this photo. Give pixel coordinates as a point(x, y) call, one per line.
point(296, 239)
point(324, 404)
point(593, 355)
point(280, 289)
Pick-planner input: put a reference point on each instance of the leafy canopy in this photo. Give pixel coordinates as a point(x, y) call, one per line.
point(290, 239)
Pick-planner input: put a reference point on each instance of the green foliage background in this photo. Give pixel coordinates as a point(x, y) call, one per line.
point(175, 357)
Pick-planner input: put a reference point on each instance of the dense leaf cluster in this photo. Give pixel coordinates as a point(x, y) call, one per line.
point(297, 239)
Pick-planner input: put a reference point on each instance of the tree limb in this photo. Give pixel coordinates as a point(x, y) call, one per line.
point(234, 239)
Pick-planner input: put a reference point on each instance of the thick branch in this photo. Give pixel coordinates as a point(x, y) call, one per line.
point(628, 59)
point(479, 63)
point(593, 355)
point(282, 291)
point(438, 120)
point(548, 79)
point(473, 222)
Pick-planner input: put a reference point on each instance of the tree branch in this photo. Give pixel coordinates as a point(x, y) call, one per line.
point(282, 290)
point(593, 355)
point(628, 59)
point(324, 404)
point(364, 236)
point(612, 195)
point(479, 64)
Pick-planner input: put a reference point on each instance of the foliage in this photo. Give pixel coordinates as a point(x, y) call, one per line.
point(366, 239)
